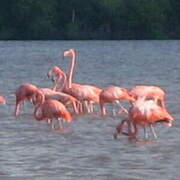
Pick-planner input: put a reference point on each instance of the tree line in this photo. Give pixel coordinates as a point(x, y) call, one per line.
point(92, 19)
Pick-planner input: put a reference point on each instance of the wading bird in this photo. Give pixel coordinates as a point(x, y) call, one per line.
point(144, 113)
point(24, 92)
point(47, 110)
point(84, 93)
point(2, 100)
point(113, 95)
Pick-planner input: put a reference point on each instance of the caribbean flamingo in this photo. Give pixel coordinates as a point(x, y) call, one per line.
point(84, 93)
point(144, 113)
point(149, 92)
point(87, 93)
point(24, 92)
point(58, 76)
point(64, 98)
point(50, 109)
point(2, 100)
point(111, 95)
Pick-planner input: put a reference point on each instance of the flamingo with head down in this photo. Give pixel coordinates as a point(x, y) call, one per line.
point(113, 95)
point(149, 92)
point(50, 109)
point(23, 93)
point(144, 113)
point(64, 98)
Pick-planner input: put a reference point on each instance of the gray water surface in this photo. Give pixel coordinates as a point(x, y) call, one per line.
point(30, 150)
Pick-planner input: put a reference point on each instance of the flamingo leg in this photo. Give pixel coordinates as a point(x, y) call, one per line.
point(153, 131)
point(60, 123)
point(145, 133)
point(122, 109)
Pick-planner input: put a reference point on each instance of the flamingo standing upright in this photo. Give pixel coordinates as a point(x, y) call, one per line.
point(144, 113)
point(113, 94)
point(50, 109)
point(58, 76)
point(84, 93)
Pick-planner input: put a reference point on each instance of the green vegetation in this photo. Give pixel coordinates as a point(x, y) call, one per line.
point(92, 19)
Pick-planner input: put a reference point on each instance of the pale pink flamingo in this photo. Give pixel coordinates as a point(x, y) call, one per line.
point(64, 98)
point(2, 100)
point(84, 93)
point(47, 110)
point(144, 113)
point(149, 92)
point(113, 94)
point(24, 92)
point(58, 76)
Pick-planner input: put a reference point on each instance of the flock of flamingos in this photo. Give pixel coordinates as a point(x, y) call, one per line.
point(67, 98)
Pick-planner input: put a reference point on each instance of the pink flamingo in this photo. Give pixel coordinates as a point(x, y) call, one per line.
point(84, 93)
point(2, 100)
point(111, 95)
point(149, 92)
point(24, 92)
point(87, 93)
point(144, 113)
point(58, 76)
point(50, 109)
point(64, 98)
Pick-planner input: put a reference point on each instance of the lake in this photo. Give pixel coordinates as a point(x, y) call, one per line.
point(30, 150)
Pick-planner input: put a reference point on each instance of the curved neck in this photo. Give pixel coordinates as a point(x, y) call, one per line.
point(37, 116)
point(71, 70)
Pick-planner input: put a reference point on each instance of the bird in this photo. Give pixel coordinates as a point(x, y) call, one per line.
point(64, 98)
point(149, 92)
point(58, 76)
point(86, 94)
point(49, 109)
point(144, 113)
point(23, 93)
point(2, 100)
point(113, 94)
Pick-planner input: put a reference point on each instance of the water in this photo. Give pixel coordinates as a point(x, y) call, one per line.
point(31, 150)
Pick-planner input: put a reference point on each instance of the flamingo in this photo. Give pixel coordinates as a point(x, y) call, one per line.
point(50, 109)
point(64, 98)
point(149, 92)
point(111, 95)
point(144, 113)
point(84, 93)
point(24, 92)
point(58, 76)
point(2, 100)
point(87, 93)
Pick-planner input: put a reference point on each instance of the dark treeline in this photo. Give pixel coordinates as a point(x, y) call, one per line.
point(89, 19)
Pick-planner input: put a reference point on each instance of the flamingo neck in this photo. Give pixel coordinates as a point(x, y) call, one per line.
point(71, 70)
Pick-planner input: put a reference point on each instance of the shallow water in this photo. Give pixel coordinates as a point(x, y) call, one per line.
point(31, 150)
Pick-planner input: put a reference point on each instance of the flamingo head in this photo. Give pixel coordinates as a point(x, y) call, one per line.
point(38, 97)
point(168, 120)
point(54, 72)
point(69, 52)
